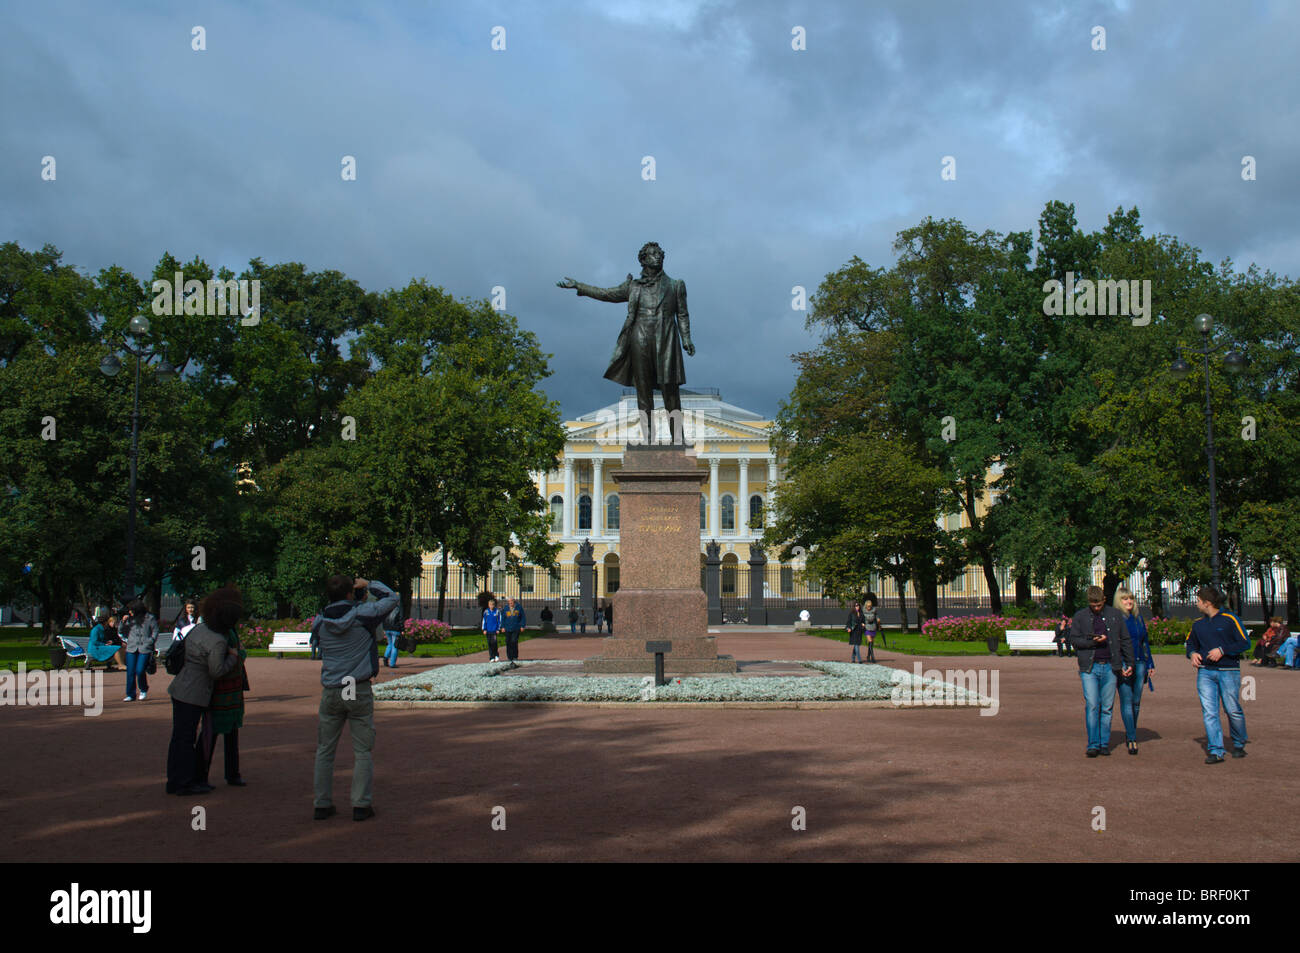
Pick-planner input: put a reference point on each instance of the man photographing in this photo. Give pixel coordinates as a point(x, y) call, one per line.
point(345, 631)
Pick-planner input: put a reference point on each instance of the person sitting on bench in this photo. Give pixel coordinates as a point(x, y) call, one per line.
point(104, 645)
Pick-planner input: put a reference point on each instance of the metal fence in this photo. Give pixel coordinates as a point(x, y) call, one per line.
point(787, 589)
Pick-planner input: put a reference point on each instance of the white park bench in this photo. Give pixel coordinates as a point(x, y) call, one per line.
point(1031, 640)
point(283, 642)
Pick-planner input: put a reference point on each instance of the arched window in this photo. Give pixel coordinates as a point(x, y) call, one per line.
point(728, 513)
point(557, 513)
point(611, 511)
point(755, 512)
point(584, 512)
point(704, 512)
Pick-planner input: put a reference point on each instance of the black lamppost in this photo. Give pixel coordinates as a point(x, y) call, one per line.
point(1233, 362)
point(110, 366)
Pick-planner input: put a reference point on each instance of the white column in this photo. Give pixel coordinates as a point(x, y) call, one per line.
point(742, 518)
point(568, 497)
point(715, 507)
point(771, 488)
point(598, 498)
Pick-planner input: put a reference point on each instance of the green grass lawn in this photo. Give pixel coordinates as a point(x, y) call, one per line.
point(914, 643)
point(462, 642)
point(24, 645)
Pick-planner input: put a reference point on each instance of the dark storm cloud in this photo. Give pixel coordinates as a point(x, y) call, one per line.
point(479, 168)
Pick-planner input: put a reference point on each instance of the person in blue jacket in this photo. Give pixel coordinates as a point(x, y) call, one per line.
point(102, 650)
point(1130, 686)
point(491, 626)
point(1215, 646)
point(513, 622)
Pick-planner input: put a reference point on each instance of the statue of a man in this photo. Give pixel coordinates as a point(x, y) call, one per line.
point(648, 354)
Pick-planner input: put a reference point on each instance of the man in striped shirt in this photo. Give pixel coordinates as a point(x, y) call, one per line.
point(1215, 646)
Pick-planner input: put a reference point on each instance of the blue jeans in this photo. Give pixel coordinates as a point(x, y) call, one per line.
point(390, 653)
point(135, 663)
point(1215, 686)
point(1130, 699)
point(1098, 703)
point(1288, 651)
point(855, 656)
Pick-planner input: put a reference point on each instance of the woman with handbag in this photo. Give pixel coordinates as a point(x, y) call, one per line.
point(208, 657)
point(856, 625)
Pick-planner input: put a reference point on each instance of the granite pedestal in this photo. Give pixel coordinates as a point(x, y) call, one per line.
point(659, 597)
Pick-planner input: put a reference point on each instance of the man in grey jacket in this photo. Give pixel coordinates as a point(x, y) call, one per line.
point(139, 633)
point(349, 660)
point(1101, 640)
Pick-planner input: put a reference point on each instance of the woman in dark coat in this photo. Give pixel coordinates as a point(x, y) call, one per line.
point(208, 657)
point(856, 625)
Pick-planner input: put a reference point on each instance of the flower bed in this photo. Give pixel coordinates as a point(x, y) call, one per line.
point(1168, 631)
point(978, 628)
point(426, 630)
point(840, 681)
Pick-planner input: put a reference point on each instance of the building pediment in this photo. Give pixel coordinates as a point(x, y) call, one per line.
point(618, 429)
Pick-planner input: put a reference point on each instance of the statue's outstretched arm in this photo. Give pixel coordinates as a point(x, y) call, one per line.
point(617, 293)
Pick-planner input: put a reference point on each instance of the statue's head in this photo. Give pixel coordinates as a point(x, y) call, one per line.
point(651, 253)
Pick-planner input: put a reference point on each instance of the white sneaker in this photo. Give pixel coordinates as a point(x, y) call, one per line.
point(143, 696)
point(495, 659)
point(128, 698)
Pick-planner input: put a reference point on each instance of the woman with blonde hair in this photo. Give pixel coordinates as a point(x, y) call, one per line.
point(1130, 688)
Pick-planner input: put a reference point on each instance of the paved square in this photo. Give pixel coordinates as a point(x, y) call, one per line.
point(587, 783)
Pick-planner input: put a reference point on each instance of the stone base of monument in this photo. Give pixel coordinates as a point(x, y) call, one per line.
point(659, 496)
point(653, 615)
point(621, 655)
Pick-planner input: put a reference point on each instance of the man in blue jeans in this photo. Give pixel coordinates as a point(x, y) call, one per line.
point(345, 631)
point(1101, 641)
point(1215, 647)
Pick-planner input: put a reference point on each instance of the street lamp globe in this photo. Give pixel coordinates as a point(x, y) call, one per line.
point(1234, 361)
point(1180, 369)
point(139, 325)
point(1204, 323)
point(110, 365)
point(164, 371)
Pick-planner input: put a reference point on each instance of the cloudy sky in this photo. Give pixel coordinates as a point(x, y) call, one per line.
point(479, 167)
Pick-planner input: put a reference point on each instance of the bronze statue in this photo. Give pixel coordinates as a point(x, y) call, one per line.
point(648, 354)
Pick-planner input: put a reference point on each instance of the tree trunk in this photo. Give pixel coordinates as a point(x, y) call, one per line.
point(1109, 583)
point(925, 578)
point(1156, 592)
point(901, 583)
point(1267, 598)
point(982, 550)
point(991, 578)
point(442, 587)
point(1070, 595)
point(404, 592)
point(1024, 595)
